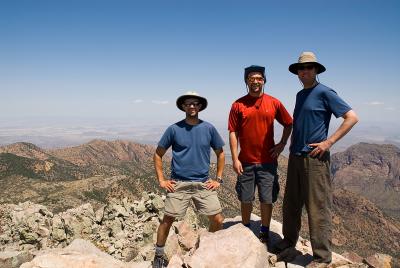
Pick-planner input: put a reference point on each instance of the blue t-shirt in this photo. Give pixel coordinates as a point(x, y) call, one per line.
point(191, 149)
point(312, 115)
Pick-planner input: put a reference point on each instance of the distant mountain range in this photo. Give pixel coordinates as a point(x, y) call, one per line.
point(372, 171)
point(366, 179)
point(97, 157)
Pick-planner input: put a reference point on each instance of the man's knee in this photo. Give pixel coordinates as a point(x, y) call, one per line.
point(168, 220)
point(217, 219)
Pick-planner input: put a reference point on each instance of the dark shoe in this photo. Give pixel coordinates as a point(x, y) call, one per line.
point(288, 255)
point(264, 237)
point(160, 262)
point(282, 245)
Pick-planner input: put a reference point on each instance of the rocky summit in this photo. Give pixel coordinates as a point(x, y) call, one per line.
point(78, 184)
point(122, 234)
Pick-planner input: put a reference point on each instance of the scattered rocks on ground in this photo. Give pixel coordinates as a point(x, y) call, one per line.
point(122, 233)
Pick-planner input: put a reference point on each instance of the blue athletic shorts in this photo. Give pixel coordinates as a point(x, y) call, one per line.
point(262, 176)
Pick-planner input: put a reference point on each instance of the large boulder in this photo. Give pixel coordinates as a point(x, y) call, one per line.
point(233, 247)
point(80, 253)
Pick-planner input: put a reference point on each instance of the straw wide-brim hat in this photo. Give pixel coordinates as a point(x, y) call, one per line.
point(307, 57)
point(191, 94)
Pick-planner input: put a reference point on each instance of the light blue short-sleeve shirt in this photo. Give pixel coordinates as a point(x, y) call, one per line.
point(191, 148)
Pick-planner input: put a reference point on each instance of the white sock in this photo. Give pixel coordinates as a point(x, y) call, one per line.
point(159, 250)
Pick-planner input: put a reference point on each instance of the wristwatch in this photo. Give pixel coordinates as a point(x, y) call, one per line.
point(219, 179)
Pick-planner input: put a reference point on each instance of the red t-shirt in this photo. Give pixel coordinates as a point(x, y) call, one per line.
point(253, 119)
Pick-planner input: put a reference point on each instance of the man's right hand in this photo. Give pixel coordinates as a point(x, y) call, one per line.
point(168, 185)
point(237, 166)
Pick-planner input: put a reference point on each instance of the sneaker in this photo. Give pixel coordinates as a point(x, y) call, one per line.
point(160, 262)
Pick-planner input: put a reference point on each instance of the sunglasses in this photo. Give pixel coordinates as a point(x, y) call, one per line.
point(255, 79)
point(195, 104)
point(305, 67)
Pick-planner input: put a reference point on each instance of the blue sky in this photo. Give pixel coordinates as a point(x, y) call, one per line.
point(130, 60)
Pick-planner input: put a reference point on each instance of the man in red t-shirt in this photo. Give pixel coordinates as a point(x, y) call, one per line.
point(251, 124)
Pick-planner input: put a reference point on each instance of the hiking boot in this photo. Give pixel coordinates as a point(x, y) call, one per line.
point(160, 262)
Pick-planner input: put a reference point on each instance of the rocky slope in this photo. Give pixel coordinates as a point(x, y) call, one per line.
point(109, 170)
point(360, 226)
point(27, 150)
point(122, 234)
point(49, 169)
point(372, 171)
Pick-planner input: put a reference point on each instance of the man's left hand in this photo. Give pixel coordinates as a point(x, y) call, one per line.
point(320, 148)
point(212, 185)
point(277, 150)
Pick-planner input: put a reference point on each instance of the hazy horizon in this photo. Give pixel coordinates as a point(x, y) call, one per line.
point(71, 71)
point(64, 132)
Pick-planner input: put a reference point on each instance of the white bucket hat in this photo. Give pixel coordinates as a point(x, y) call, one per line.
point(307, 57)
point(191, 94)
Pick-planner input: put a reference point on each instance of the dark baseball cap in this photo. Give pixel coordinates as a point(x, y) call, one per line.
point(252, 69)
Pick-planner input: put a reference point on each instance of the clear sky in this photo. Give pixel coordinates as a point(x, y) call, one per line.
point(132, 59)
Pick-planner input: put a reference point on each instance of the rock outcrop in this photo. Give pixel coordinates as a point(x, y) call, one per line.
point(122, 234)
point(80, 253)
point(233, 247)
point(120, 228)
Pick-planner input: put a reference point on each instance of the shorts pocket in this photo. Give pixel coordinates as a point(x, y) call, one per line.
point(176, 195)
point(207, 193)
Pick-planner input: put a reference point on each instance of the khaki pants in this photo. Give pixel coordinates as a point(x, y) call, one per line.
point(308, 183)
point(205, 201)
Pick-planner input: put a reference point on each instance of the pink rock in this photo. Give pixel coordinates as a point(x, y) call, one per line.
point(172, 246)
point(236, 246)
point(80, 253)
point(175, 262)
point(379, 260)
point(187, 237)
point(352, 256)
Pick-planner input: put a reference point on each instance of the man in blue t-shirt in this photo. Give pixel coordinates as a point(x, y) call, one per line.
point(308, 178)
point(191, 140)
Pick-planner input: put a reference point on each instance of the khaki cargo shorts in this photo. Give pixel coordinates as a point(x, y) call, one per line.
point(205, 201)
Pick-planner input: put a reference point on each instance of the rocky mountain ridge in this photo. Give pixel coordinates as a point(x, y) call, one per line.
point(95, 158)
point(370, 170)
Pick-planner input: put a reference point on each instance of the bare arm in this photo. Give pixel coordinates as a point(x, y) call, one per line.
point(233, 144)
point(350, 119)
point(278, 148)
point(220, 161)
point(165, 184)
point(213, 184)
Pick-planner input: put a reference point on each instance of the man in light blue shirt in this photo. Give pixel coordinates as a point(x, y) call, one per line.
point(191, 140)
